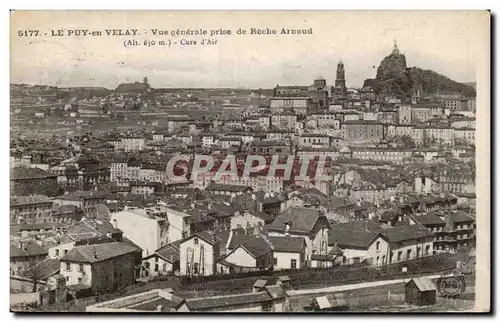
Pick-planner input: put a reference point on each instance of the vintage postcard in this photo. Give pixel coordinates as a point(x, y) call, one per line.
point(250, 161)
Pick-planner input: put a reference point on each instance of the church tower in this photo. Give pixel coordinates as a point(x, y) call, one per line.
point(340, 88)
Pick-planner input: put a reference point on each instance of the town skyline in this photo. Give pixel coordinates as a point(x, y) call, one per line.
point(441, 44)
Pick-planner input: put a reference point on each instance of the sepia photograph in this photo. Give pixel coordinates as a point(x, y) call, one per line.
point(249, 161)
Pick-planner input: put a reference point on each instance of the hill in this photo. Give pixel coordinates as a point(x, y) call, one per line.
point(395, 78)
point(432, 83)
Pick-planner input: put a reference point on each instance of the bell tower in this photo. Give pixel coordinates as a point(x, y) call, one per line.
point(340, 88)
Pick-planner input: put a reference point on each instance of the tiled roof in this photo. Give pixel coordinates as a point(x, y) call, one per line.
point(261, 215)
point(256, 245)
point(170, 252)
point(429, 219)
point(29, 248)
point(19, 173)
point(203, 304)
point(28, 200)
point(82, 194)
point(275, 291)
point(99, 252)
point(406, 232)
point(423, 284)
point(94, 228)
point(302, 220)
point(459, 217)
point(347, 238)
point(287, 244)
point(226, 187)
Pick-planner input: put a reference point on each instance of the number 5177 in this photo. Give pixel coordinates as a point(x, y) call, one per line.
point(28, 33)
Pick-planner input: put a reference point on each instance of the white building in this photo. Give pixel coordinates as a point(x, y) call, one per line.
point(179, 224)
point(198, 254)
point(143, 228)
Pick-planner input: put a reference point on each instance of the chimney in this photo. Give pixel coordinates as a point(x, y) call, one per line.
point(115, 224)
point(287, 229)
point(95, 253)
point(159, 308)
point(20, 244)
point(229, 238)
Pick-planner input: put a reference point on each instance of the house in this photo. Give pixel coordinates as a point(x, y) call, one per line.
point(288, 252)
point(436, 225)
point(24, 255)
point(251, 221)
point(88, 201)
point(68, 242)
point(163, 261)
point(157, 300)
point(102, 268)
point(420, 291)
point(142, 227)
point(198, 254)
point(179, 224)
point(201, 221)
point(407, 241)
point(311, 140)
point(32, 181)
point(459, 231)
point(249, 251)
point(358, 245)
point(227, 189)
point(143, 188)
point(309, 224)
point(31, 210)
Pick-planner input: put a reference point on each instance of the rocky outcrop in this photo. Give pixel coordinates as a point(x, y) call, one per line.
point(396, 79)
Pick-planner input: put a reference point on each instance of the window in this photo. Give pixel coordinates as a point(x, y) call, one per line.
point(275, 261)
point(195, 268)
point(79, 280)
point(293, 263)
point(67, 278)
point(400, 254)
point(80, 268)
point(156, 267)
point(196, 241)
point(427, 249)
point(57, 252)
point(164, 267)
point(68, 266)
point(378, 245)
point(65, 251)
point(408, 254)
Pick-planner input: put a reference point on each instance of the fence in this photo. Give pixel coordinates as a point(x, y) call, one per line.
point(298, 304)
point(460, 304)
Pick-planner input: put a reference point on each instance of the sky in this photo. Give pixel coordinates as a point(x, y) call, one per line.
point(447, 42)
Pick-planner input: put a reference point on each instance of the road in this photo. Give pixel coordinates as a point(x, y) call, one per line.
point(341, 288)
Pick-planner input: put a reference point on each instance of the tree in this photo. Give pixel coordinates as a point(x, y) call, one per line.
point(34, 272)
point(408, 141)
